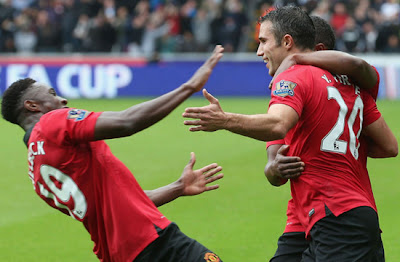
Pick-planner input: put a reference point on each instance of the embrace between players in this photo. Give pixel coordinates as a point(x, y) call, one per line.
point(322, 123)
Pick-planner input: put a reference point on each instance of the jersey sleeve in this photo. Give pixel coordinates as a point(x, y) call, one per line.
point(289, 88)
point(371, 112)
point(275, 142)
point(70, 126)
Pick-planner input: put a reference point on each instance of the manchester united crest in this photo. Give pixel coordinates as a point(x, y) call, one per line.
point(211, 257)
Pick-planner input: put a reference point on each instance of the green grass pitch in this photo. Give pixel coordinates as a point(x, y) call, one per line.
point(241, 221)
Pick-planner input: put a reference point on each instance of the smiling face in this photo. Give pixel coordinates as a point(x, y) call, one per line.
point(271, 50)
point(45, 98)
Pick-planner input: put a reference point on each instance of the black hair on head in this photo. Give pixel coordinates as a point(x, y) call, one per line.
point(324, 32)
point(11, 103)
point(294, 21)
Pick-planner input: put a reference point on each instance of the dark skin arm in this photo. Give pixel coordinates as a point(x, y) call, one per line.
point(280, 167)
point(141, 116)
point(382, 142)
point(336, 62)
point(192, 182)
point(138, 117)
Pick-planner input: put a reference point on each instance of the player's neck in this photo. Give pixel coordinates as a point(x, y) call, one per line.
point(29, 121)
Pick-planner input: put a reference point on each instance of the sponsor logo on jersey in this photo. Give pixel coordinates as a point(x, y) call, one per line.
point(77, 114)
point(211, 257)
point(284, 88)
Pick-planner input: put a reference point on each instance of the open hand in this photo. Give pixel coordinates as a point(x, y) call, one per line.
point(209, 118)
point(200, 77)
point(286, 167)
point(196, 181)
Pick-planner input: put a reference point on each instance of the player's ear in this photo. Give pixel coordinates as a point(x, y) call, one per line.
point(287, 41)
point(320, 47)
point(31, 105)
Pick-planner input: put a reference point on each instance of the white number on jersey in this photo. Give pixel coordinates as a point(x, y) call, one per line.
point(68, 190)
point(331, 142)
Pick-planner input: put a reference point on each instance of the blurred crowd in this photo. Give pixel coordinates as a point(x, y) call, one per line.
point(150, 27)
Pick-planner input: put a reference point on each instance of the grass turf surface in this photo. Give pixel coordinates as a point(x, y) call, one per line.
point(241, 221)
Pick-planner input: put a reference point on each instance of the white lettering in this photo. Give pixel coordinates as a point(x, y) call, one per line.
point(326, 78)
point(15, 72)
point(64, 80)
point(40, 150)
point(357, 90)
point(118, 76)
point(31, 158)
point(343, 79)
point(89, 88)
point(75, 81)
point(38, 72)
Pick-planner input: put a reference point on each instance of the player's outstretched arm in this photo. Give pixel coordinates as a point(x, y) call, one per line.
point(143, 115)
point(265, 127)
point(192, 182)
point(280, 167)
point(336, 62)
point(382, 142)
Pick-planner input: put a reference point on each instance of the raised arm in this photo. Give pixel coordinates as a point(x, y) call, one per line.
point(382, 142)
point(192, 182)
point(280, 167)
point(141, 116)
point(336, 62)
point(265, 127)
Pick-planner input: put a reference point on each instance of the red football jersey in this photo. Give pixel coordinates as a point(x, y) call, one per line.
point(363, 151)
point(332, 112)
point(83, 179)
point(292, 223)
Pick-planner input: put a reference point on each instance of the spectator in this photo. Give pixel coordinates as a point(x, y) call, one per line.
point(21, 4)
point(208, 22)
point(135, 34)
point(81, 42)
point(350, 40)
point(70, 19)
point(110, 10)
point(25, 38)
point(390, 11)
point(102, 34)
point(201, 29)
point(48, 34)
point(153, 32)
point(171, 39)
point(7, 26)
point(393, 44)
point(121, 25)
point(339, 18)
point(370, 36)
point(322, 10)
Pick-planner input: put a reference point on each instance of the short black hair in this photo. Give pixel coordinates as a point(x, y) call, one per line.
point(11, 103)
point(294, 21)
point(324, 32)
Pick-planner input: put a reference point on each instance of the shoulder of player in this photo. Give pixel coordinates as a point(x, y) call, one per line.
point(300, 71)
point(67, 113)
point(296, 74)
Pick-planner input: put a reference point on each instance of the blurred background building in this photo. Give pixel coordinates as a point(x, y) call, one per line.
point(148, 28)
